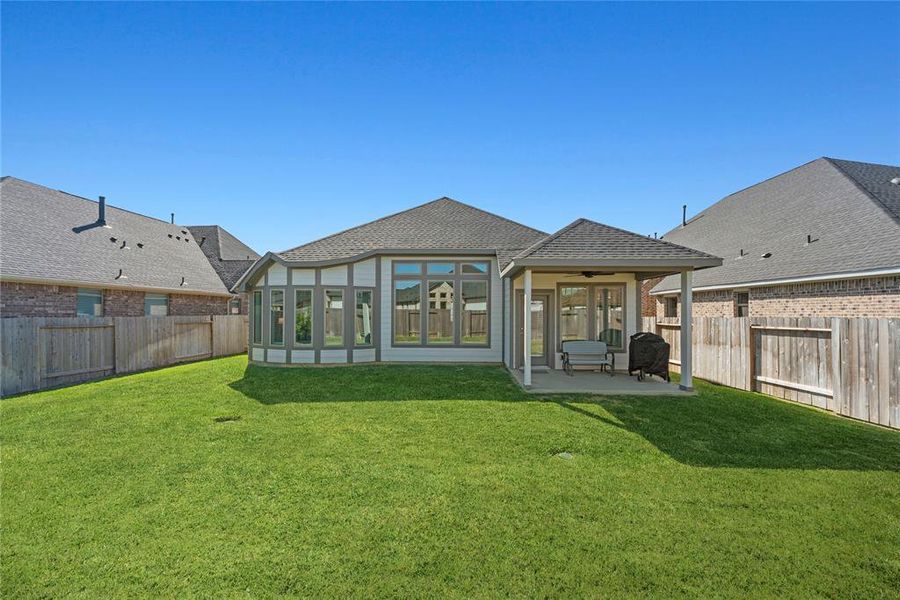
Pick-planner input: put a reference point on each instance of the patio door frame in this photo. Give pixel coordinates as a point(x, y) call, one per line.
point(549, 330)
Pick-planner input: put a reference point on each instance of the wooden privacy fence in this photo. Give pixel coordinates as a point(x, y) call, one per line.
point(45, 352)
point(850, 366)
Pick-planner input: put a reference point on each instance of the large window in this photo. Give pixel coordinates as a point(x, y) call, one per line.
point(89, 303)
point(474, 312)
point(334, 317)
point(363, 318)
point(454, 296)
point(303, 317)
point(276, 317)
point(609, 319)
point(440, 311)
point(156, 305)
point(407, 311)
point(257, 317)
point(573, 313)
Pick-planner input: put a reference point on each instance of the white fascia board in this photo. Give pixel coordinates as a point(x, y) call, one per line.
point(786, 281)
point(99, 285)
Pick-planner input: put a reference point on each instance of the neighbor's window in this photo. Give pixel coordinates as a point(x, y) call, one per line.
point(671, 308)
point(234, 306)
point(257, 317)
point(334, 317)
point(89, 303)
point(440, 312)
point(573, 313)
point(474, 314)
point(742, 304)
point(303, 317)
point(609, 306)
point(364, 315)
point(156, 305)
point(276, 317)
point(407, 311)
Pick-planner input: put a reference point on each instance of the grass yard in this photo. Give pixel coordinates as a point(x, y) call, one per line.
point(216, 479)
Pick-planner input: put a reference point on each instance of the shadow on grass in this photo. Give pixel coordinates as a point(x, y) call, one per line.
point(719, 427)
point(722, 427)
point(361, 383)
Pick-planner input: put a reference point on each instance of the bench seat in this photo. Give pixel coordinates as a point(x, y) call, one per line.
point(586, 353)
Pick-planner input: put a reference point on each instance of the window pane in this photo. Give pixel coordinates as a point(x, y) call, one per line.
point(474, 312)
point(303, 316)
point(573, 313)
point(276, 317)
point(89, 303)
point(440, 312)
point(475, 267)
point(364, 317)
point(334, 318)
point(610, 307)
point(257, 317)
point(407, 311)
point(408, 268)
point(441, 268)
point(156, 305)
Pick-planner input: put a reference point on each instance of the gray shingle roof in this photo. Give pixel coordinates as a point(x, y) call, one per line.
point(584, 239)
point(442, 224)
point(849, 208)
point(229, 256)
point(37, 242)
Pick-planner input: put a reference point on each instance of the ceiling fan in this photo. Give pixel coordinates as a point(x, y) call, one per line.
point(589, 274)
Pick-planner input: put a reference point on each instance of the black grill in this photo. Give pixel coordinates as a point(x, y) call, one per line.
point(648, 354)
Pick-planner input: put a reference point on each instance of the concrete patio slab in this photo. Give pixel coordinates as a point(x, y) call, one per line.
point(594, 382)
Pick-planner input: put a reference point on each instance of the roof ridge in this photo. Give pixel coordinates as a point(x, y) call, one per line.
point(834, 163)
point(543, 242)
point(400, 212)
point(108, 205)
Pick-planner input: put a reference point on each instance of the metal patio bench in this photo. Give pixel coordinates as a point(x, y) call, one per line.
point(585, 353)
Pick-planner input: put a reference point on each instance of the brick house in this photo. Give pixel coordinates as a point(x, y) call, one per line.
point(822, 239)
point(62, 255)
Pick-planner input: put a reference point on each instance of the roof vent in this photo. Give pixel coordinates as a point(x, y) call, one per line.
point(121, 275)
point(113, 240)
point(741, 254)
point(767, 255)
point(101, 216)
point(895, 181)
point(810, 239)
point(183, 282)
point(170, 236)
point(140, 245)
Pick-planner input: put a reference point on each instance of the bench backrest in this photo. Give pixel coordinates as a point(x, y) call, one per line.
point(584, 347)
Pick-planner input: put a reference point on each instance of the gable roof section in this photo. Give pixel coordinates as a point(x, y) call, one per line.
point(586, 240)
point(39, 242)
point(229, 256)
point(849, 209)
point(443, 224)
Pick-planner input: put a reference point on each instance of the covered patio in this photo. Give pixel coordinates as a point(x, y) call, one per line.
point(584, 283)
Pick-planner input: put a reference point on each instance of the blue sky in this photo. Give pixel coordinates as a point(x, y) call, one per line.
point(286, 122)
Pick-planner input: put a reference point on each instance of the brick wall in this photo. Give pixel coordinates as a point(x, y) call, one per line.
point(183, 305)
point(37, 300)
point(870, 297)
point(33, 300)
point(123, 303)
point(648, 302)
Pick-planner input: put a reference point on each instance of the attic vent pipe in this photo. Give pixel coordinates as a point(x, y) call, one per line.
point(683, 215)
point(121, 275)
point(101, 216)
point(173, 219)
point(202, 239)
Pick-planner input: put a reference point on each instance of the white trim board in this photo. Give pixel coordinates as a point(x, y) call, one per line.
point(771, 282)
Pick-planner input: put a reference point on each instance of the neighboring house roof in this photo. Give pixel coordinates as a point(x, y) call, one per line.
point(442, 224)
point(51, 236)
point(229, 256)
point(850, 209)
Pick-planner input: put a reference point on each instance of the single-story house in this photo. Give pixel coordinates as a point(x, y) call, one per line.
point(448, 282)
point(62, 255)
point(229, 257)
point(822, 240)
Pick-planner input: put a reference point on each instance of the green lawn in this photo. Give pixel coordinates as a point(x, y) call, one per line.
point(215, 479)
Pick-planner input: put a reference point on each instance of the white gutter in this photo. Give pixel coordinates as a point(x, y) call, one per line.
point(786, 281)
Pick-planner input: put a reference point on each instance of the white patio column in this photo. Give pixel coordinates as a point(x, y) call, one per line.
point(687, 300)
point(526, 342)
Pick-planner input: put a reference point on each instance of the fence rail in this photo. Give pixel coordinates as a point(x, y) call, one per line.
point(850, 366)
point(42, 352)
